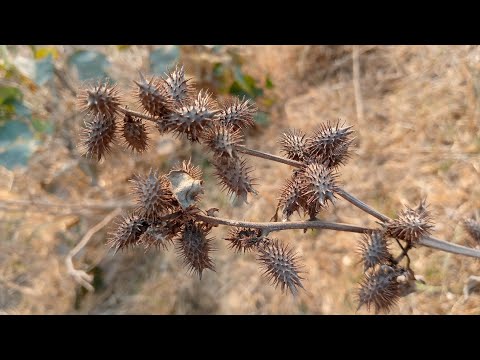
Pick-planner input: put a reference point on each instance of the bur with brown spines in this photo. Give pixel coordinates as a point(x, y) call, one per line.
point(319, 186)
point(290, 199)
point(281, 266)
point(373, 249)
point(411, 224)
point(244, 239)
point(330, 143)
point(178, 86)
point(221, 139)
point(234, 176)
point(98, 136)
point(194, 247)
point(154, 195)
point(191, 120)
point(294, 145)
point(192, 170)
point(238, 112)
point(158, 236)
point(135, 134)
point(380, 289)
point(101, 99)
point(153, 96)
point(128, 232)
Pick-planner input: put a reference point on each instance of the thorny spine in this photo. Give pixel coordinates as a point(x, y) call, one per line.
point(168, 210)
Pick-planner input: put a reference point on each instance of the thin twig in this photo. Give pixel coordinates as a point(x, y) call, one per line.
point(356, 83)
point(361, 205)
point(277, 226)
point(138, 114)
point(81, 276)
point(264, 155)
point(438, 244)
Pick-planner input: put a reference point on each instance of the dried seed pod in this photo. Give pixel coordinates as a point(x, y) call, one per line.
point(238, 112)
point(135, 134)
point(473, 229)
point(101, 99)
point(411, 224)
point(281, 266)
point(194, 247)
point(192, 119)
point(157, 235)
point(380, 289)
point(290, 199)
point(340, 155)
point(318, 186)
point(194, 171)
point(154, 195)
point(154, 97)
point(374, 250)
point(186, 189)
point(234, 176)
point(98, 136)
point(244, 239)
point(330, 144)
point(221, 139)
point(128, 232)
point(180, 89)
point(294, 145)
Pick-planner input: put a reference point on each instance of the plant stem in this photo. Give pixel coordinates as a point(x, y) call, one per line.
point(261, 154)
point(438, 244)
point(361, 205)
point(138, 114)
point(425, 241)
point(277, 226)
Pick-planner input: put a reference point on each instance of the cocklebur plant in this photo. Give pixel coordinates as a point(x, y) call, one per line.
point(167, 212)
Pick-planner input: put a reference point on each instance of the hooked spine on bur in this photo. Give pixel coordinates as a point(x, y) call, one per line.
point(168, 205)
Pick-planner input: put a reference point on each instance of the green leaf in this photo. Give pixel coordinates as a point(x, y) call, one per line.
point(268, 83)
point(89, 64)
point(42, 126)
point(244, 85)
point(9, 94)
point(44, 70)
point(237, 90)
point(14, 130)
point(16, 155)
point(162, 58)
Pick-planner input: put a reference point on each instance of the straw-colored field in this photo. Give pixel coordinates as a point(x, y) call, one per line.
point(415, 110)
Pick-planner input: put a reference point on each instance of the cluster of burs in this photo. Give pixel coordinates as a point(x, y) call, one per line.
point(167, 211)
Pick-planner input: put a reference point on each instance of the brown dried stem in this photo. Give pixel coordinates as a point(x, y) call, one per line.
point(138, 114)
point(278, 226)
point(425, 241)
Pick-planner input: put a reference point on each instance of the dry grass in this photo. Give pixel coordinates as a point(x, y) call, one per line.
point(418, 137)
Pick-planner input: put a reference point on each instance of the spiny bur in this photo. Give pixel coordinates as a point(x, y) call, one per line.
point(374, 250)
point(168, 207)
point(411, 224)
point(238, 112)
point(281, 266)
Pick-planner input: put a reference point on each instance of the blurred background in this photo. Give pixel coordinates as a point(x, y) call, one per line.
point(415, 110)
